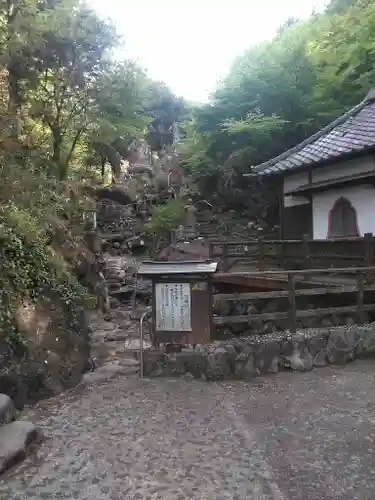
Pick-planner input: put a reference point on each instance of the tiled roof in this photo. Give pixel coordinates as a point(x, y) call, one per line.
point(351, 133)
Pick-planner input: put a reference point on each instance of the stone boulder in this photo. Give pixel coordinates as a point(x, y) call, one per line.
point(154, 363)
point(320, 359)
point(244, 366)
point(295, 354)
point(220, 364)
point(301, 359)
point(341, 345)
point(366, 341)
point(14, 440)
point(266, 356)
point(7, 409)
point(317, 342)
point(187, 362)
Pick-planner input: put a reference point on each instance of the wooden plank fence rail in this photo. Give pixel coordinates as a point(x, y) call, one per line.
point(301, 272)
point(292, 314)
point(226, 320)
point(284, 293)
point(305, 253)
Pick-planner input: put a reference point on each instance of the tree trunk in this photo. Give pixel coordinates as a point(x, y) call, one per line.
point(57, 141)
point(103, 168)
point(14, 90)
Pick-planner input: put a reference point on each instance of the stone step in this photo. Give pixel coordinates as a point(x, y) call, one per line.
point(128, 366)
point(15, 437)
point(117, 279)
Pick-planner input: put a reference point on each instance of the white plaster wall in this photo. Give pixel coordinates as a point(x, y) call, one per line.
point(294, 181)
point(361, 197)
point(342, 169)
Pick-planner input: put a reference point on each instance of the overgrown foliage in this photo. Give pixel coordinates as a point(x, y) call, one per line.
point(31, 269)
point(66, 108)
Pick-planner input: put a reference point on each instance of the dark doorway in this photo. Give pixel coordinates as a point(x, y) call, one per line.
point(297, 221)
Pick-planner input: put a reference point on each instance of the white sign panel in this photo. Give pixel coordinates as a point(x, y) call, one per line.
point(173, 307)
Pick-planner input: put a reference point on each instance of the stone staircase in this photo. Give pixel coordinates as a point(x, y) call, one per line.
point(114, 346)
point(122, 280)
point(16, 436)
point(115, 338)
point(217, 226)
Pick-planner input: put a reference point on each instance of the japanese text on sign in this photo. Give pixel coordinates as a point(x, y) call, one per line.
point(173, 307)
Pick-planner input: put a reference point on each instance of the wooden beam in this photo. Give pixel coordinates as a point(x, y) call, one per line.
point(283, 293)
point(349, 270)
point(360, 296)
point(225, 320)
point(329, 182)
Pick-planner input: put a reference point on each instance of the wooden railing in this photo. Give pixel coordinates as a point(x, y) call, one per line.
point(295, 254)
point(358, 306)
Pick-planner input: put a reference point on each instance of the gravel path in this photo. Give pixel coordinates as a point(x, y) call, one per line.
point(285, 437)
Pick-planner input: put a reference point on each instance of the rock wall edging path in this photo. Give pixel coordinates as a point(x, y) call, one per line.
point(248, 358)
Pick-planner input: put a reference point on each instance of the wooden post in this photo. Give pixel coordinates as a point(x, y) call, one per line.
point(280, 254)
point(368, 243)
point(261, 253)
point(368, 249)
point(225, 257)
point(210, 250)
point(306, 251)
point(360, 302)
point(292, 303)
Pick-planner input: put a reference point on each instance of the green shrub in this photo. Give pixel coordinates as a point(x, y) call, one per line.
point(164, 219)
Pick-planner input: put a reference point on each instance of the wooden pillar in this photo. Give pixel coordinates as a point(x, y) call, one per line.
point(280, 254)
point(225, 257)
point(368, 244)
point(306, 253)
point(292, 313)
point(211, 249)
point(261, 253)
point(360, 296)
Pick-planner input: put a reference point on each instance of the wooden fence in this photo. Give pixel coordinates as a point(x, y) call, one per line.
point(358, 306)
point(295, 254)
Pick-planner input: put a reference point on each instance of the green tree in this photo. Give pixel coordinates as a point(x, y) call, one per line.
point(120, 100)
point(71, 57)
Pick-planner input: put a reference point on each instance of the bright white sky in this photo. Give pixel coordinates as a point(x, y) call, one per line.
point(190, 44)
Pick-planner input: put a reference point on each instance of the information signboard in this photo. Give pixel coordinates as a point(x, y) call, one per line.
point(173, 307)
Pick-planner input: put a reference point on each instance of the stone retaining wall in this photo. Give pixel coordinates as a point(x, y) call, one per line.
point(246, 358)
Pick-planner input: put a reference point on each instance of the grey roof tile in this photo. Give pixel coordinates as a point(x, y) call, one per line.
point(352, 132)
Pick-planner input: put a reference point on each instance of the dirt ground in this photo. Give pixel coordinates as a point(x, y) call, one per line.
point(293, 436)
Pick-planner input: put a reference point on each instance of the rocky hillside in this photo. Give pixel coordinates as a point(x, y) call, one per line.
point(44, 335)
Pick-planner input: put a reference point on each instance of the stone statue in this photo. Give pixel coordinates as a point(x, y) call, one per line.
point(190, 219)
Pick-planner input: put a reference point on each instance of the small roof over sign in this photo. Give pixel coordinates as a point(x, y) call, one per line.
point(155, 268)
